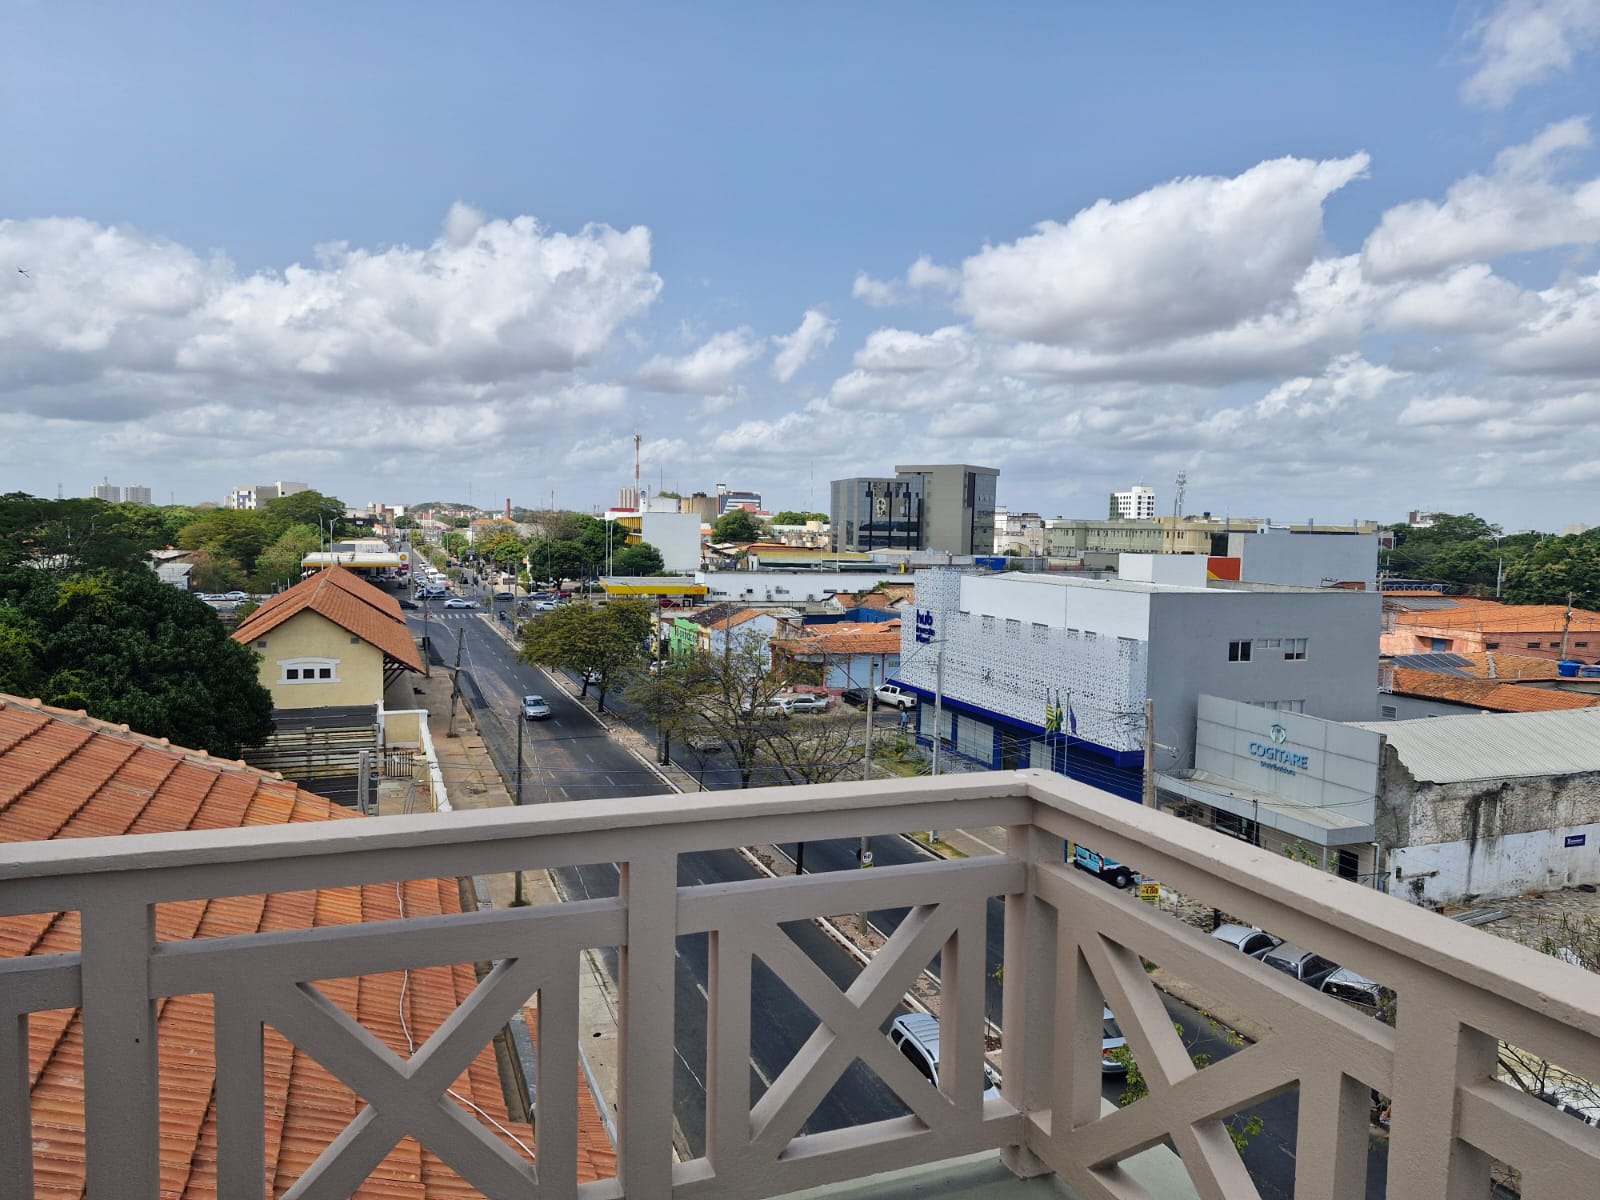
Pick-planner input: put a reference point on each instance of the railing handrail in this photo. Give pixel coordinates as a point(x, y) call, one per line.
point(1313, 907)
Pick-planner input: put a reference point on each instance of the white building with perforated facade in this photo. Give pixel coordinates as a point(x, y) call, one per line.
point(1053, 671)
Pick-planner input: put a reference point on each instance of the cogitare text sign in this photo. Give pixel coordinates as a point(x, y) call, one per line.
point(1275, 758)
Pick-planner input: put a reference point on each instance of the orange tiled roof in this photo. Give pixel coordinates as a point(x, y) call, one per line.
point(1508, 668)
point(1504, 618)
point(64, 775)
point(846, 637)
point(351, 603)
point(1488, 693)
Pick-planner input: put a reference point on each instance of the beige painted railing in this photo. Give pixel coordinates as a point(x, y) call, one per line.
point(1070, 942)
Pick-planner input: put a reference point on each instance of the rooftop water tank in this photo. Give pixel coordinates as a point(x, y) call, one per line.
point(1567, 670)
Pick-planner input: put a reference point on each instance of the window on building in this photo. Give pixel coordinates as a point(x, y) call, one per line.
point(309, 670)
point(1533, 645)
point(1581, 645)
point(1270, 643)
point(1013, 628)
point(1294, 648)
point(1239, 651)
point(1236, 826)
point(1491, 645)
point(988, 624)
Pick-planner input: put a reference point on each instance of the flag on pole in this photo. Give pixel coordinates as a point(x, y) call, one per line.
point(1052, 715)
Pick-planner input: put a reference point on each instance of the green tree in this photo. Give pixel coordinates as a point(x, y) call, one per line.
point(669, 699)
point(127, 648)
point(737, 525)
point(304, 508)
point(405, 522)
point(606, 643)
point(1555, 568)
point(282, 562)
point(790, 517)
point(643, 559)
point(227, 533)
point(736, 699)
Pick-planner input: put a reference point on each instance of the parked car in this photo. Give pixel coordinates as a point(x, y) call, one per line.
point(806, 704)
point(592, 677)
point(460, 602)
point(534, 708)
point(916, 1035)
point(891, 696)
point(778, 706)
point(856, 696)
point(505, 595)
point(1111, 1040)
point(1118, 875)
point(237, 597)
point(704, 741)
point(544, 606)
point(1310, 969)
point(1246, 939)
point(1345, 984)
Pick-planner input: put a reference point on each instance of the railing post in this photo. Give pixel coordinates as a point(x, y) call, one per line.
point(121, 1099)
point(16, 1123)
point(647, 961)
point(1028, 1053)
point(1435, 1054)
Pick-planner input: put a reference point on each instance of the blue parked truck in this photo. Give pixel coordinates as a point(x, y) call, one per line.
point(1118, 875)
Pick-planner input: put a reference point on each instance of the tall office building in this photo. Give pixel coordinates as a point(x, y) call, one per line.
point(136, 493)
point(1138, 503)
point(946, 507)
point(105, 490)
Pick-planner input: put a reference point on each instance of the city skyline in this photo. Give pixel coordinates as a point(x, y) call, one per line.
point(1328, 264)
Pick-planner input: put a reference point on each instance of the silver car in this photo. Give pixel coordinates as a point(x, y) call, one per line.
point(534, 708)
point(916, 1035)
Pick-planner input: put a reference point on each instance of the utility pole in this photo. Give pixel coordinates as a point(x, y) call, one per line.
point(1149, 753)
point(455, 680)
point(427, 640)
point(1566, 627)
point(864, 851)
point(519, 900)
point(938, 716)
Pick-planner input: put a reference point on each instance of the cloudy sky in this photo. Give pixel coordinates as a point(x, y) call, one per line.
point(1330, 261)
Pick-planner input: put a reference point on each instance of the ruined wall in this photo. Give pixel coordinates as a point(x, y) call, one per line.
point(1453, 842)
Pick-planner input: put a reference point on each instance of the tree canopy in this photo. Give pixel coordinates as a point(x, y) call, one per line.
point(127, 648)
point(737, 525)
point(643, 559)
point(606, 642)
point(790, 517)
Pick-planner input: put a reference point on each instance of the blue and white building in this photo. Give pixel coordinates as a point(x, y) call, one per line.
point(1053, 671)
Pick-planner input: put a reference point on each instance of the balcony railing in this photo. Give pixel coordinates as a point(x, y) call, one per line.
point(1071, 942)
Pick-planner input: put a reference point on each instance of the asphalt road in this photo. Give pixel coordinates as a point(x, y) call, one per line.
point(570, 758)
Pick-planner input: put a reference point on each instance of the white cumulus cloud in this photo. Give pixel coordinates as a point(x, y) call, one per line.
point(1517, 207)
point(902, 350)
point(816, 332)
point(924, 275)
point(1184, 258)
point(1523, 42)
point(708, 370)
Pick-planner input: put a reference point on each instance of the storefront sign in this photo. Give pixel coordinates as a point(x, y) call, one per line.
point(924, 627)
point(1149, 892)
point(1575, 839)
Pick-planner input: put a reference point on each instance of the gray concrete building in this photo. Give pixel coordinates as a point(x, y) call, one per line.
point(948, 507)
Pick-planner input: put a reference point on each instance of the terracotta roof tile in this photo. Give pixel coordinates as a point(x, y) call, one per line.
point(369, 613)
point(1489, 693)
point(864, 637)
point(64, 775)
point(1491, 618)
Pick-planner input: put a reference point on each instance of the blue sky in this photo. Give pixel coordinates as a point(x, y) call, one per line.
point(398, 250)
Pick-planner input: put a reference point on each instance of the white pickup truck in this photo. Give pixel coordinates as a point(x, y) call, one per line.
point(893, 697)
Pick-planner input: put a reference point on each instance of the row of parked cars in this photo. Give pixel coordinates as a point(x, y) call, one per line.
point(223, 597)
point(1311, 969)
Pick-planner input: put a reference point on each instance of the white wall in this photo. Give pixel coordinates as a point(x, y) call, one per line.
point(1173, 570)
point(1508, 865)
point(1059, 603)
point(676, 535)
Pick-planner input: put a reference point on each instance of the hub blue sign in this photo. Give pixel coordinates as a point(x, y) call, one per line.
point(924, 627)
